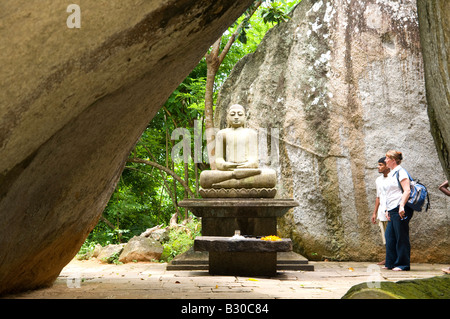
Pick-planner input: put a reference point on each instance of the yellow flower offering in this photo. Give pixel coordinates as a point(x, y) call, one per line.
point(271, 238)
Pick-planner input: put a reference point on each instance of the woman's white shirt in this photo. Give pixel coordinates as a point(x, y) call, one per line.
point(392, 188)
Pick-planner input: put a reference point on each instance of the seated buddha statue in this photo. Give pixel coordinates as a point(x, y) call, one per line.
point(236, 149)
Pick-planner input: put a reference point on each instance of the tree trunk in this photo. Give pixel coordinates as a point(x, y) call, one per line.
point(213, 61)
point(212, 64)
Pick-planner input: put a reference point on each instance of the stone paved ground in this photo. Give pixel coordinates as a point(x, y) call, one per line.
point(330, 280)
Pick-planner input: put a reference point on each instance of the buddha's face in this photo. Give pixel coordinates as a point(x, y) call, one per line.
point(236, 117)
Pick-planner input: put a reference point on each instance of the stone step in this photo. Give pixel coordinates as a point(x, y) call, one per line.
point(198, 260)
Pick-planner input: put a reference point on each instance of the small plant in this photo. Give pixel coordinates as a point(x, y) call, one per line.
point(86, 250)
point(181, 238)
point(114, 259)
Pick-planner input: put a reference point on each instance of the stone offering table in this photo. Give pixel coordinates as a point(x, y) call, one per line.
point(242, 257)
point(252, 216)
point(221, 217)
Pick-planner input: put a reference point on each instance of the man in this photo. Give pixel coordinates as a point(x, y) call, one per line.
point(380, 202)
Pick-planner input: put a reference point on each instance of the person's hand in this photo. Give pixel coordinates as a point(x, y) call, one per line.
point(388, 216)
point(374, 218)
point(401, 211)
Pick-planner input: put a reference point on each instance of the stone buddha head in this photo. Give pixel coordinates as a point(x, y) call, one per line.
point(236, 116)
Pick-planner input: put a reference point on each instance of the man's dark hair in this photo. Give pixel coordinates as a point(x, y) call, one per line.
point(382, 160)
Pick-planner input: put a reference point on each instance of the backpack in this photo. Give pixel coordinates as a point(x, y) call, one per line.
point(418, 194)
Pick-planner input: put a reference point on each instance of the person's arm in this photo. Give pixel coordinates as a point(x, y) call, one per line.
point(444, 188)
point(406, 192)
point(375, 211)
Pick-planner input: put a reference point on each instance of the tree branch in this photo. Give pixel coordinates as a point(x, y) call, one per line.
point(107, 222)
point(236, 33)
point(165, 169)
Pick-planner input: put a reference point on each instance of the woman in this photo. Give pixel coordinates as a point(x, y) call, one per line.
point(398, 248)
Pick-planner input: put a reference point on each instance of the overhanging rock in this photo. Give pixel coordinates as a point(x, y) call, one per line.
point(74, 101)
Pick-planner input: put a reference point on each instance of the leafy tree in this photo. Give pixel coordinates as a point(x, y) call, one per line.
point(274, 12)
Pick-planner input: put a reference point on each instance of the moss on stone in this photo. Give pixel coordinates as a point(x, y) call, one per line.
point(429, 288)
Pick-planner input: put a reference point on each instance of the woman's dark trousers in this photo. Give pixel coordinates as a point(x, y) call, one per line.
point(398, 248)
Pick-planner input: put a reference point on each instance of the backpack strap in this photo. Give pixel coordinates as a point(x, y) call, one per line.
point(428, 203)
point(398, 178)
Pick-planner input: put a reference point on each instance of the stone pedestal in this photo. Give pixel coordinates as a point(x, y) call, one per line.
point(242, 257)
point(253, 217)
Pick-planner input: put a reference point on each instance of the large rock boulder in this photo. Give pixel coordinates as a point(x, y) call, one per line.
point(434, 18)
point(334, 88)
point(141, 248)
point(73, 102)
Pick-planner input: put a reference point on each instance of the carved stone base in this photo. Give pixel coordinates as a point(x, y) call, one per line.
point(242, 257)
point(238, 192)
point(252, 216)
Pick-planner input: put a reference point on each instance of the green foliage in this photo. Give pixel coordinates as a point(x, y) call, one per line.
point(276, 12)
point(114, 259)
point(86, 250)
point(180, 240)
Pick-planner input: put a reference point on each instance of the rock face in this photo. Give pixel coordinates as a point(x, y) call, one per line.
point(141, 249)
point(74, 101)
point(434, 18)
point(110, 251)
point(334, 88)
point(428, 288)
